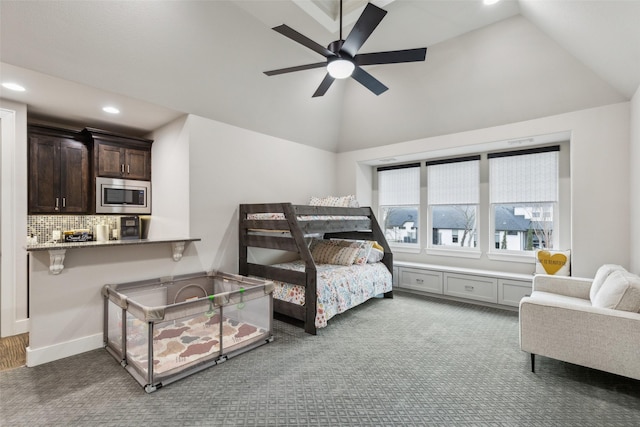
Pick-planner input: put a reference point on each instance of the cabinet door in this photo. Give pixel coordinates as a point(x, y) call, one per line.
point(44, 174)
point(480, 288)
point(510, 292)
point(421, 280)
point(110, 161)
point(74, 177)
point(137, 164)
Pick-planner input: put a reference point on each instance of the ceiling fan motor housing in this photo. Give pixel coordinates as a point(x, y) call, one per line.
point(335, 47)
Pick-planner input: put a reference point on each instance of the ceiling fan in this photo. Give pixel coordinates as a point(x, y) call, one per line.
point(343, 60)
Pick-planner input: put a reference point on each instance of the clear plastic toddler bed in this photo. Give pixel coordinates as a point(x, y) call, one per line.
point(164, 329)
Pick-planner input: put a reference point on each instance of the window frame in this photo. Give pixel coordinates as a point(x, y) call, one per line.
point(400, 246)
point(454, 250)
point(524, 255)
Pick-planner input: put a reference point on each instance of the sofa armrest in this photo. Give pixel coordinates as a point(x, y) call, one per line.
point(599, 338)
point(576, 287)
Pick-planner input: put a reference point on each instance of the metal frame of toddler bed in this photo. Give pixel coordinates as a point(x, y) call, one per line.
point(292, 240)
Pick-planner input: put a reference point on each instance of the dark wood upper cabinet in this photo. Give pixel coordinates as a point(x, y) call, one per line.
point(59, 176)
point(120, 156)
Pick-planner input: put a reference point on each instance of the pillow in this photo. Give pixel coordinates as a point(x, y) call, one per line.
point(556, 263)
point(602, 273)
point(620, 291)
point(363, 253)
point(376, 254)
point(338, 252)
point(336, 201)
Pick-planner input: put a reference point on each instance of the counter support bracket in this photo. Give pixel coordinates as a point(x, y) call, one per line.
point(178, 250)
point(56, 260)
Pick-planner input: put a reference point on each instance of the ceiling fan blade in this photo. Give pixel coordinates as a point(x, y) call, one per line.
point(367, 22)
point(298, 68)
point(391, 57)
point(303, 40)
point(322, 89)
point(368, 81)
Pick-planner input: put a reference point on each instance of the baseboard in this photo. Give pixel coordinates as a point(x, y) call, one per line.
point(452, 298)
point(21, 326)
point(39, 356)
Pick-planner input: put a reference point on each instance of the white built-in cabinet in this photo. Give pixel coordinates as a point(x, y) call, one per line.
point(486, 286)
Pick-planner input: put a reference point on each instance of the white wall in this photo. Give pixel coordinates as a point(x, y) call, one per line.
point(229, 166)
point(170, 181)
point(599, 175)
point(634, 162)
point(13, 222)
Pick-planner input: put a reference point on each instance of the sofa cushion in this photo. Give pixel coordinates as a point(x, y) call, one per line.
point(601, 275)
point(620, 291)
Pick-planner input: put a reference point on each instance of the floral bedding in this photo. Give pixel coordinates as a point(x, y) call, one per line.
point(339, 288)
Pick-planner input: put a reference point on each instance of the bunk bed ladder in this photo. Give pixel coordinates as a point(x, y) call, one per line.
point(310, 285)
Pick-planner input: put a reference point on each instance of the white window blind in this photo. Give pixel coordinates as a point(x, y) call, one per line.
point(453, 183)
point(524, 177)
point(399, 186)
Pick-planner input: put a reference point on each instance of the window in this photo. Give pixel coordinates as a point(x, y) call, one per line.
point(524, 196)
point(399, 203)
point(453, 189)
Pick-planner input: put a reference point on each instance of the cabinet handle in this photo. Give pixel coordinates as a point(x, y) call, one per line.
point(128, 169)
point(57, 203)
point(419, 281)
point(122, 168)
point(64, 202)
point(468, 288)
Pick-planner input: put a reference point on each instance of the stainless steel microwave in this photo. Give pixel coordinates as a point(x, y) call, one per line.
point(123, 196)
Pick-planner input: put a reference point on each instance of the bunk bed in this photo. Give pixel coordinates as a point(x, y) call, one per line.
point(287, 227)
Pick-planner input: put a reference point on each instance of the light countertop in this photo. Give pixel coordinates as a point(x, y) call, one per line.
point(96, 244)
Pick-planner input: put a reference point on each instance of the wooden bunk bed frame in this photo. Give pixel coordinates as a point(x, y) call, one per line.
point(358, 228)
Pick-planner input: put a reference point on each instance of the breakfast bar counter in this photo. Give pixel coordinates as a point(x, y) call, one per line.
point(66, 305)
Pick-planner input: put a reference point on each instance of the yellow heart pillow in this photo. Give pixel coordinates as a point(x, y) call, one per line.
point(557, 263)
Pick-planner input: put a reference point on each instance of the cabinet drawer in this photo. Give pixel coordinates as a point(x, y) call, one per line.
point(421, 280)
point(472, 287)
point(510, 292)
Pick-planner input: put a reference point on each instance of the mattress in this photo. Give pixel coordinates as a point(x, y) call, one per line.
point(276, 215)
point(339, 288)
point(179, 344)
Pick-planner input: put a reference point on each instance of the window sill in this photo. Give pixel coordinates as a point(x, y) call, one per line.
point(526, 258)
point(405, 249)
point(458, 253)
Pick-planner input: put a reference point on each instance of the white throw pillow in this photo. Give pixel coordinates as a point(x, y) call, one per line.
point(620, 291)
point(601, 275)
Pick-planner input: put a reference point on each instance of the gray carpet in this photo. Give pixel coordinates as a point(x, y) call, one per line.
point(402, 361)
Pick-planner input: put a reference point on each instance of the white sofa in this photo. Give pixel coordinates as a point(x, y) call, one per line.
point(588, 322)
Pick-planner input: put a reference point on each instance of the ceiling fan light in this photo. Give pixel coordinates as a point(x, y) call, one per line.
point(340, 68)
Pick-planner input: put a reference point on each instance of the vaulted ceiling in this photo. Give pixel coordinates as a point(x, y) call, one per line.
point(485, 65)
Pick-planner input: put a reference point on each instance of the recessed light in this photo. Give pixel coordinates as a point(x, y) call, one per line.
point(14, 86)
point(111, 110)
point(490, 2)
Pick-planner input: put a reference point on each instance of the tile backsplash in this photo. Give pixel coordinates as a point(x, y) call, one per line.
point(42, 226)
